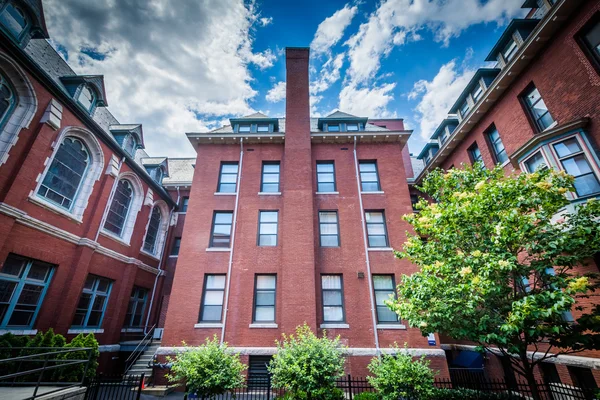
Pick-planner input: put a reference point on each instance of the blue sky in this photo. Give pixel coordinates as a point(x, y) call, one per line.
point(192, 67)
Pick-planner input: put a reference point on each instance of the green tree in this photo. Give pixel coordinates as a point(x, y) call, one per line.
point(498, 266)
point(397, 376)
point(308, 366)
point(207, 370)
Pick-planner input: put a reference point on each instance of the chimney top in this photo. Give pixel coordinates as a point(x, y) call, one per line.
point(297, 52)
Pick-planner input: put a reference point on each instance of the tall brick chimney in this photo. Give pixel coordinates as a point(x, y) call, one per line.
point(298, 280)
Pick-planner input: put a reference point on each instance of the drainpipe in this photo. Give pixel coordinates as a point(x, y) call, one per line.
point(235, 210)
point(366, 246)
point(110, 198)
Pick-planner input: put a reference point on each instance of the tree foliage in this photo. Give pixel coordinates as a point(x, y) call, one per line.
point(396, 376)
point(498, 261)
point(308, 366)
point(207, 370)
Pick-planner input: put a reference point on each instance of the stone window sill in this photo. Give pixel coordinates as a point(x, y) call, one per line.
point(380, 249)
point(377, 192)
point(55, 209)
point(75, 331)
point(327, 193)
point(334, 326)
point(19, 332)
point(208, 325)
point(155, 256)
point(263, 326)
point(224, 194)
point(269, 193)
point(219, 249)
point(391, 326)
point(134, 330)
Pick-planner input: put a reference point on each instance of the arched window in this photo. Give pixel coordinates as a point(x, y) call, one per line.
point(152, 232)
point(14, 19)
point(63, 179)
point(86, 98)
point(7, 100)
point(119, 208)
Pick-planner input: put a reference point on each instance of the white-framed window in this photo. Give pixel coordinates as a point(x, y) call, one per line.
point(574, 161)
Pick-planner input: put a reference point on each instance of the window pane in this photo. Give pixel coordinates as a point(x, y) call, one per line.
point(213, 297)
point(262, 128)
point(265, 298)
point(223, 218)
point(152, 233)
point(215, 281)
point(333, 314)
point(265, 282)
point(533, 96)
point(211, 313)
point(271, 167)
point(535, 162)
point(567, 147)
point(377, 241)
point(268, 216)
point(270, 187)
point(228, 178)
point(325, 177)
point(375, 229)
point(325, 167)
point(86, 98)
point(331, 281)
point(119, 208)
point(13, 19)
point(326, 187)
point(244, 128)
point(267, 240)
point(382, 296)
point(328, 229)
point(384, 314)
point(14, 265)
point(383, 282)
point(373, 217)
point(367, 167)
point(370, 187)
point(332, 298)
point(227, 188)
point(587, 184)
point(268, 229)
point(262, 313)
point(328, 216)
point(351, 127)
point(270, 178)
point(330, 241)
point(333, 128)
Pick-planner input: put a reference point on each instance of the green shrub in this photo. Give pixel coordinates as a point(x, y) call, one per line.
point(366, 396)
point(468, 394)
point(207, 370)
point(74, 373)
point(399, 375)
point(308, 366)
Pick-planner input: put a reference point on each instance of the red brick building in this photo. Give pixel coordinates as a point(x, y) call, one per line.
point(84, 217)
point(291, 221)
point(540, 105)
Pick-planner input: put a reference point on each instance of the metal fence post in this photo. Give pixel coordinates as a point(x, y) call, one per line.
point(37, 386)
point(140, 387)
point(350, 385)
point(268, 386)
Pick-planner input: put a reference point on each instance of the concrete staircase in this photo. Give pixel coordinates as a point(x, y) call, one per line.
point(141, 365)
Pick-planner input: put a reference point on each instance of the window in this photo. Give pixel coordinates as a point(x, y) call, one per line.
point(326, 176)
point(333, 128)
point(509, 51)
point(243, 128)
point(329, 233)
point(228, 177)
point(267, 228)
point(262, 128)
point(537, 108)
point(376, 230)
point(333, 298)
point(589, 40)
point(414, 199)
point(443, 136)
point(369, 177)
point(270, 177)
point(477, 93)
point(574, 162)
point(156, 173)
point(92, 303)
point(14, 19)
point(119, 208)
point(66, 172)
point(23, 285)
point(212, 298)
point(427, 157)
point(464, 109)
point(264, 298)
point(474, 153)
point(129, 144)
point(152, 232)
point(184, 204)
point(497, 145)
point(384, 288)
point(136, 308)
point(221, 229)
point(86, 98)
point(7, 100)
point(176, 246)
point(352, 127)
point(535, 162)
point(583, 378)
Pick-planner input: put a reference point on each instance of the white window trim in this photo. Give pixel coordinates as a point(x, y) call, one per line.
point(263, 326)
point(208, 325)
point(319, 193)
point(219, 249)
point(93, 173)
point(162, 230)
point(380, 249)
point(134, 208)
point(268, 193)
point(329, 325)
point(391, 326)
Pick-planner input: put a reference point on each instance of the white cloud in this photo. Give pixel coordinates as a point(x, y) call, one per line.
point(395, 22)
point(164, 65)
point(276, 93)
point(438, 95)
point(265, 21)
point(367, 102)
point(331, 30)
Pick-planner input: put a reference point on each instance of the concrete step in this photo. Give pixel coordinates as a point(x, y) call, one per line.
point(158, 391)
point(139, 371)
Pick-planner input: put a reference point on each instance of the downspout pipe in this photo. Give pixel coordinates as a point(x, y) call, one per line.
point(229, 267)
point(110, 199)
point(366, 246)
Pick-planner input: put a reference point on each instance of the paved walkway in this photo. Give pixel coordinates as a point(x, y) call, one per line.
point(18, 393)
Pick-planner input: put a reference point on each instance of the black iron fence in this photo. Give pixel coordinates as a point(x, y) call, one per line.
point(119, 387)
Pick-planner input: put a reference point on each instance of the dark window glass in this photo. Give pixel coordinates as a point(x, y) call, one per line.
point(414, 199)
point(270, 177)
point(7, 100)
point(86, 98)
point(589, 40)
point(175, 248)
point(92, 303)
point(535, 162)
point(267, 228)
point(575, 162)
point(384, 288)
point(23, 284)
point(152, 232)
point(510, 50)
point(264, 298)
point(537, 108)
point(221, 229)
point(184, 204)
point(497, 145)
point(119, 208)
point(582, 377)
point(326, 176)
point(333, 298)
point(14, 19)
point(228, 177)
point(329, 232)
point(136, 308)
point(369, 176)
point(376, 229)
point(212, 298)
point(64, 177)
point(464, 109)
point(475, 154)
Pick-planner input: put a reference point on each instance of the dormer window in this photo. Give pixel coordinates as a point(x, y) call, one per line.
point(262, 128)
point(464, 109)
point(129, 144)
point(352, 127)
point(427, 158)
point(333, 128)
point(156, 173)
point(86, 98)
point(477, 93)
point(14, 19)
point(444, 135)
point(509, 51)
point(244, 128)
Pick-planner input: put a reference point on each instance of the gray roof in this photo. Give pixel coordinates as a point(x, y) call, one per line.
point(314, 126)
point(417, 165)
point(153, 160)
point(340, 114)
point(256, 115)
point(181, 172)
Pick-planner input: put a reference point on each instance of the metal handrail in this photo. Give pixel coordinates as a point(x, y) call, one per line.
point(137, 352)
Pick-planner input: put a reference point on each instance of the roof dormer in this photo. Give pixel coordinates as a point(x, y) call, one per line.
point(511, 40)
point(157, 167)
point(341, 122)
point(539, 7)
point(87, 90)
point(129, 136)
point(255, 123)
point(445, 129)
point(473, 92)
point(430, 149)
point(23, 20)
